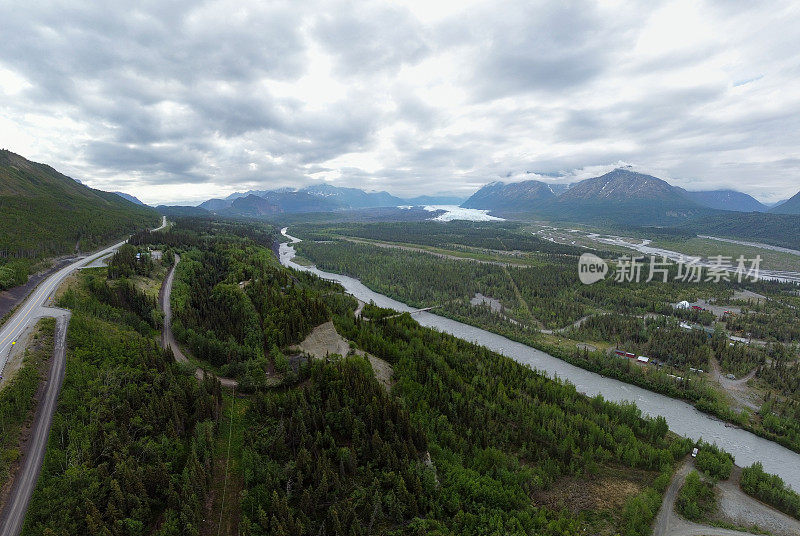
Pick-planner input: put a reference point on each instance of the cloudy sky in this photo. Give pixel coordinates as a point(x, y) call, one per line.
point(182, 101)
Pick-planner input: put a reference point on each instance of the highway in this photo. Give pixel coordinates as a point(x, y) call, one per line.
point(34, 307)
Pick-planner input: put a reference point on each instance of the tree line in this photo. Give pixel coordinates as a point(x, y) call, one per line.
point(130, 450)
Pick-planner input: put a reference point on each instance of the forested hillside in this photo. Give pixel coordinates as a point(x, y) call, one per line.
point(776, 229)
point(543, 304)
point(45, 213)
point(235, 308)
point(465, 442)
point(129, 450)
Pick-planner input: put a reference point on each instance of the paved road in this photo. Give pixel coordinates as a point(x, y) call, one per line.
point(35, 307)
point(168, 339)
point(17, 505)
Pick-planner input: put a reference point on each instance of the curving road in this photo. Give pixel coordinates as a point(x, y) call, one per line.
point(35, 307)
point(669, 523)
point(168, 339)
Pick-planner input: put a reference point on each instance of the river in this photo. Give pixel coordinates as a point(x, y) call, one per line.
point(681, 417)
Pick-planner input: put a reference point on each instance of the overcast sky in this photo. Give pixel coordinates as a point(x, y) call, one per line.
point(181, 101)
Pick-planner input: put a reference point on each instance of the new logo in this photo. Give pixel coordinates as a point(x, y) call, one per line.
point(591, 268)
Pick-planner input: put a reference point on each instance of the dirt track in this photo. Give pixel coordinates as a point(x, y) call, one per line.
point(738, 388)
point(167, 337)
point(735, 506)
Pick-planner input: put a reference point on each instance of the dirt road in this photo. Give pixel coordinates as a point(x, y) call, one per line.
point(669, 523)
point(167, 337)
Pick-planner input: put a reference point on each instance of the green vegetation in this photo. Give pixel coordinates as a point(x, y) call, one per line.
point(503, 236)
point(128, 261)
point(46, 214)
point(706, 247)
point(696, 500)
point(130, 450)
point(465, 441)
point(18, 397)
point(714, 462)
point(546, 295)
point(235, 308)
point(461, 445)
point(549, 288)
point(776, 229)
point(770, 489)
point(771, 321)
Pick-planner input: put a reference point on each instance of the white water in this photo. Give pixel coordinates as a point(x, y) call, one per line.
point(681, 417)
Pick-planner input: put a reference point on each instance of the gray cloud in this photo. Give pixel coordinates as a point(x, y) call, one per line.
point(168, 97)
point(370, 37)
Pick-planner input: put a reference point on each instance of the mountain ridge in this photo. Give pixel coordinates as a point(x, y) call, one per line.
point(726, 199)
point(790, 206)
point(511, 196)
point(321, 198)
point(47, 213)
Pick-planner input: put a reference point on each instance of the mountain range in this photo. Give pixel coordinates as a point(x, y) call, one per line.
point(619, 194)
point(514, 196)
point(791, 206)
point(315, 198)
point(129, 197)
point(727, 200)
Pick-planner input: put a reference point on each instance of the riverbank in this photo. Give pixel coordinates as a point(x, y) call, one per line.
point(681, 417)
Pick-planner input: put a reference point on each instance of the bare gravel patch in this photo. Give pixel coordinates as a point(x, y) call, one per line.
point(735, 506)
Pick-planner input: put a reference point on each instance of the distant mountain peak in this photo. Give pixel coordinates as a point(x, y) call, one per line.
point(790, 206)
point(726, 199)
point(623, 185)
point(129, 197)
point(514, 196)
